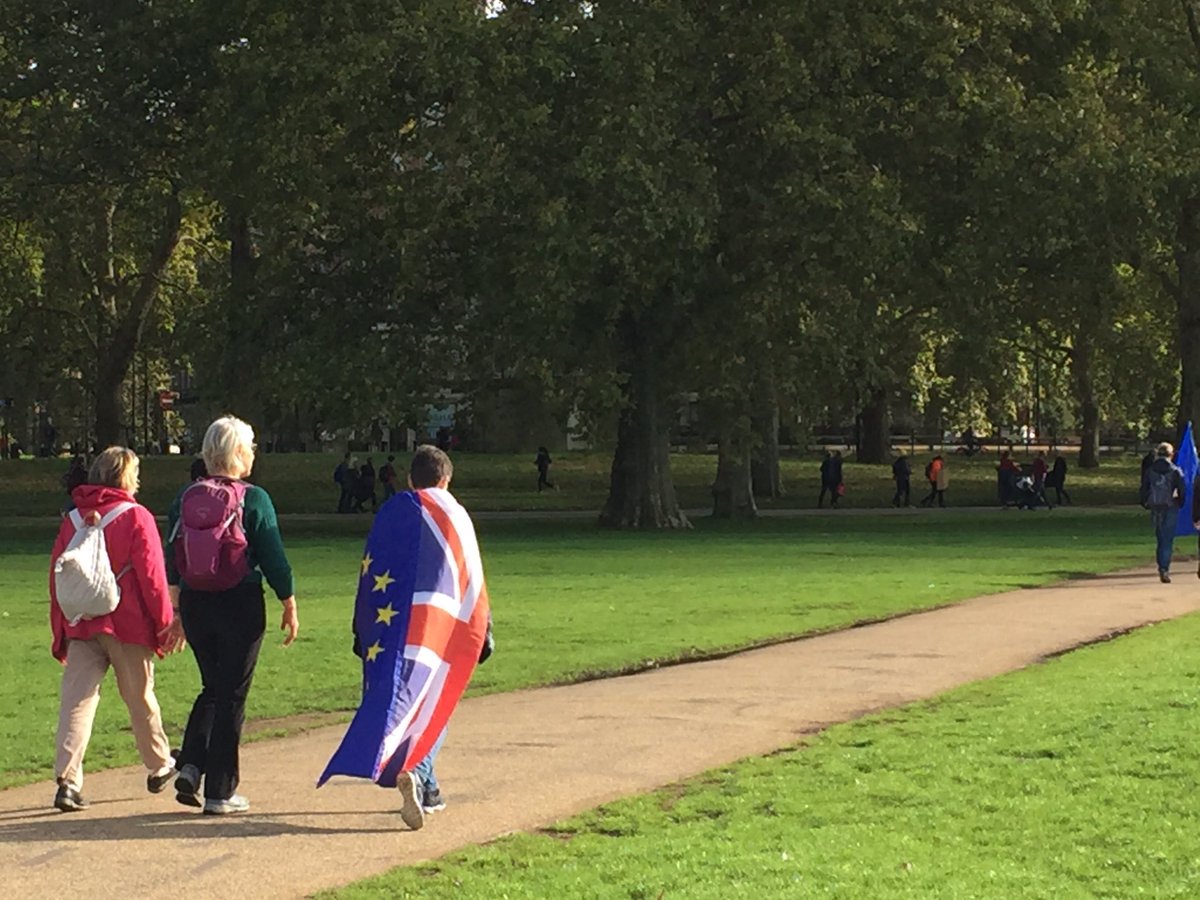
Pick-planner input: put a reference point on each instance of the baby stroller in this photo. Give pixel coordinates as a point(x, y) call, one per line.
point(1026, 496)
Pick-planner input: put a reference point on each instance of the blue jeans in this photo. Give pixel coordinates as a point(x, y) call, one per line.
point(1164, 534)
point(424, 769)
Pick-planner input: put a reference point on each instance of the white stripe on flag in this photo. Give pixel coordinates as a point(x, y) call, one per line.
point(439, 600)
point(429, 704)
point(460, 521)
point(397, 736)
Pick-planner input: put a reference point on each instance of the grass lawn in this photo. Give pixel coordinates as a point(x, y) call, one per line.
point(570, 601)
point(303, 483)
point(1072, 779)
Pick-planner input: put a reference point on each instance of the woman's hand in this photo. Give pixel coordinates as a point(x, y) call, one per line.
point(291, 621)
point(171, 639)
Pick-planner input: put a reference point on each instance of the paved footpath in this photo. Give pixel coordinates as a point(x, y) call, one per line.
point(522, 760)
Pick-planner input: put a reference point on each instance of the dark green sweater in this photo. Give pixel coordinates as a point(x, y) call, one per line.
point(265, 553)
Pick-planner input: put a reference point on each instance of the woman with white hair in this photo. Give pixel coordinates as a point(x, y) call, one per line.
point(222, 541)
point(126, 638)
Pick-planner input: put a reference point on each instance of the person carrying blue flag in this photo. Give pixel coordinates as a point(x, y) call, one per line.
point(421, 624)
point(1164, 490)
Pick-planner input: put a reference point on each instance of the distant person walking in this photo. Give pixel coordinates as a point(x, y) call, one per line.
point(126, 637)
point(387, 475)
point(341, 477)
point(1040, 470)
point(76, 475)
point(902, 475)
point(364, 488)
point(216, 574)
point(199, 470)
point(1057, 479)
point(939, 480)
point(543, 463)
point(1163, 492)
point(826, 483)
point(1006, 478)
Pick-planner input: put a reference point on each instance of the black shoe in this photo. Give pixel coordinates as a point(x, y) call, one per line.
point(1163, 576)
point(187, 784)
point(156, 784)
point(433, 801)
point(69, 800)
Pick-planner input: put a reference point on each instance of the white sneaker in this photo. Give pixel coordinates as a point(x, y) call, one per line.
point(235, 804)
point(410, 801)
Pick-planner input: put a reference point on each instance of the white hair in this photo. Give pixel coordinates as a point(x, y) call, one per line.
point(229, 447)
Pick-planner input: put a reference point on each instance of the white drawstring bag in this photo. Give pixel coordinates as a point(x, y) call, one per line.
point(84, 582)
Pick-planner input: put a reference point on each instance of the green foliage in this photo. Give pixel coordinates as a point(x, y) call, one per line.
point(831, 208)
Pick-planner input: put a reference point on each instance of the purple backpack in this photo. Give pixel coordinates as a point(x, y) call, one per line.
point(209, 537)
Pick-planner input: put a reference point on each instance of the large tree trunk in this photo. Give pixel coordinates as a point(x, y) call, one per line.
point(764, 461)
point(125, 321)
point(875, 439)
point(244, 338)
point(641, 492)
point(1187, 296)
point(1082, 361)
point(733, 497)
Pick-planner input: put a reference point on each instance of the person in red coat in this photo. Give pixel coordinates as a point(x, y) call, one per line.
point(128, 639)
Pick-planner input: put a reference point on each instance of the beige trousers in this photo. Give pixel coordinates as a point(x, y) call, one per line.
point(133, 665)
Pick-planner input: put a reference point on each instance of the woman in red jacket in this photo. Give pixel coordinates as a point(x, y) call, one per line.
point(143, 625)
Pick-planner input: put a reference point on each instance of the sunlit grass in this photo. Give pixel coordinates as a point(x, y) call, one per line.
point(570, 600)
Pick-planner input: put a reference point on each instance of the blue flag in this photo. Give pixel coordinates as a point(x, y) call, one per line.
point(1185, 458)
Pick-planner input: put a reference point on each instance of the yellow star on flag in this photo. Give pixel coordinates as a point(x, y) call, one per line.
point(384, 614)
point(373, 651)
point(366, 564)
point(382, 581)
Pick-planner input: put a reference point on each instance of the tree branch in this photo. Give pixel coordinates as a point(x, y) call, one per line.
point(69, 313)
point(1189, 10)
point(1168, 285)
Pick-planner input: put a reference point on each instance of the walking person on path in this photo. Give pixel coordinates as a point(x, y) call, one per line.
point(341, 477)
point(421, 624)
point(223, 539)
point(1040, 470)
point(826, 483)
point(543, 463)
point(141, 626)
point(76, 475)
point(902, 475)
point(939, 480)
point(387, 475)
point(1163, 492)
point(1057, 479)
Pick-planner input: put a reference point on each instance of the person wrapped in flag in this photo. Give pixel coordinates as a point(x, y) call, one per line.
point(421, 622)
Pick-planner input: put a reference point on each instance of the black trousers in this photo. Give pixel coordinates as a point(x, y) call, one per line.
point(902, 493)
point(225, 632)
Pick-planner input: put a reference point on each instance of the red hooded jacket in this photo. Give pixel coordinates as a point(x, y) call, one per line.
point(132, 539)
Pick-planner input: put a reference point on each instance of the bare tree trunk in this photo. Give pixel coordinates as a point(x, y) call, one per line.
point(875, 444)
point(1187, 296)
point(733, 497)
point(126, 321)
point(764, 461)
point(641, 492)
point(244, 337)
point(1082, 361)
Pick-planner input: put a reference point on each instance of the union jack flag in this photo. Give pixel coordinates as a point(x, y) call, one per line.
point(421, 615)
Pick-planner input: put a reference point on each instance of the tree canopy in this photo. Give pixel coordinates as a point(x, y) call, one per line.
point(329, 215)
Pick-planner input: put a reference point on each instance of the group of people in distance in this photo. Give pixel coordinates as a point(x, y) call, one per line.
point(202, 587)
point(1013, 486)
point(356, 484)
